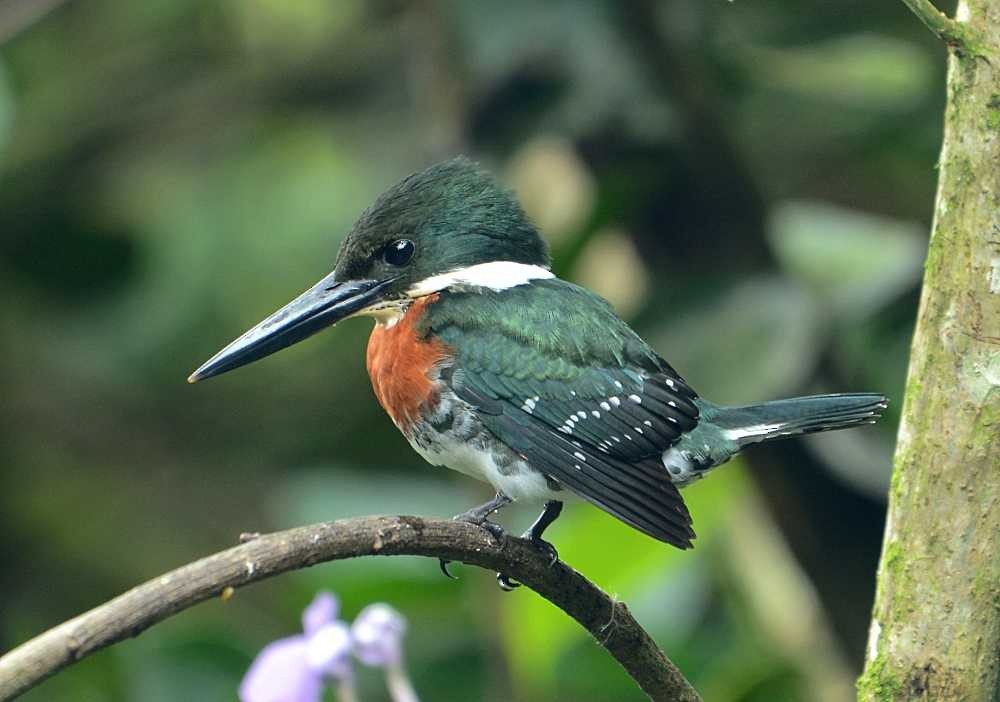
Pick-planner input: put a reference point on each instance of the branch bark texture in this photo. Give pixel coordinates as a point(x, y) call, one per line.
point(935, 631)
point(131, 613)
point(951, 32)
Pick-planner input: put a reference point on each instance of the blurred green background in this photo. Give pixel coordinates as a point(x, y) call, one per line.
point(750, 184)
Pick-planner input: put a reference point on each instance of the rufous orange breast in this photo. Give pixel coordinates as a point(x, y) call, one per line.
point(400, 363)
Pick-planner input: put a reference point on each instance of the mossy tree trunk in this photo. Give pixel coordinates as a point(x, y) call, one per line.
point(935, 632)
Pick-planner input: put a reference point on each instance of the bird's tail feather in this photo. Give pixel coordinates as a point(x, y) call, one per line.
point(798, 415)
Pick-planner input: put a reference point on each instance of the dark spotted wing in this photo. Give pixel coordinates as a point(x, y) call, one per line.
point(609, 452)
point(584, 399)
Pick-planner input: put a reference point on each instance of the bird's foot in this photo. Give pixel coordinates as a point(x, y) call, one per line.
point(543, 546)
point(495, 530)
point(479, 516)
point(546, 548)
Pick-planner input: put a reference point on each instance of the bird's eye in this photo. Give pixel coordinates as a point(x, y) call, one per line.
point(398, 252)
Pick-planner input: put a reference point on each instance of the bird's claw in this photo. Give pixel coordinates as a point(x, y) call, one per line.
point(479, 516)
point(506, 584)
point(444, 569)
point(498, 533)
point(546, 549)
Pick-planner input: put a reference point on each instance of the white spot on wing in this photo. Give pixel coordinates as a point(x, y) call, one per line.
point(636, 399)
point(580, 456)
point(596, 414)
point(615, 401)
point(605, 406)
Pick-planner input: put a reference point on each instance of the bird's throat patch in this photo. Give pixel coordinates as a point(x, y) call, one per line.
point(400, 364)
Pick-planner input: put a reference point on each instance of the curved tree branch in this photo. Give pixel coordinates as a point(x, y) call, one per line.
point(951, 31)
point(938, 22)
point(135, 611)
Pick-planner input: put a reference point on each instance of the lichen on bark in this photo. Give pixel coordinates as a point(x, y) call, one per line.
point(935, 630)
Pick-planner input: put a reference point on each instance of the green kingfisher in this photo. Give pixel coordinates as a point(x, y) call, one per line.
point(492, 366)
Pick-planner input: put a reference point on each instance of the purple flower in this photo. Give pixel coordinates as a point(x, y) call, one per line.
point(378, 641)
point(378, 635)
point(280, 673)
point(293, 669)
point(322, 610)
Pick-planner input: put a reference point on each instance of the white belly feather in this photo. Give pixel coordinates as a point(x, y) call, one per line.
point(517, 480)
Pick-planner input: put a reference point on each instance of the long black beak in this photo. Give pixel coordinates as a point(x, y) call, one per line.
point(319, 307)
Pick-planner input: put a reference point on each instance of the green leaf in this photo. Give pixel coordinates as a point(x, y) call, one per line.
point(866, 71)
point(854, 261)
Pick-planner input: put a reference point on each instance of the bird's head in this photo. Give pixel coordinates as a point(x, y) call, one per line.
point(449, 225)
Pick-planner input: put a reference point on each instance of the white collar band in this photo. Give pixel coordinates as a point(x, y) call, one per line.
point(495, 275)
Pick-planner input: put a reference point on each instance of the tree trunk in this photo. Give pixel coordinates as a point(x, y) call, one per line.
point(935, 631)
